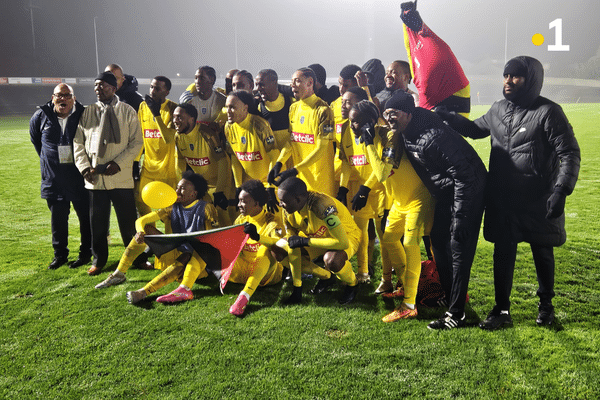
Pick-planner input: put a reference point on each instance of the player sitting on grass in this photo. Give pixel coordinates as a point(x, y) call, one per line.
point(188, 214)
point(257, 264)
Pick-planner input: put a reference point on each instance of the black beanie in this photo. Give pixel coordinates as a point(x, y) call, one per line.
point(107, 77)
point(402, 101)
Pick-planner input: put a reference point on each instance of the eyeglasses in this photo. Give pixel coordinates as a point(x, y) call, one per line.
point(63, 96)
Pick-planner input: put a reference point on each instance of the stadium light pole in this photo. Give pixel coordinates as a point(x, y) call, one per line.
point(96, 41)
point(30, 8)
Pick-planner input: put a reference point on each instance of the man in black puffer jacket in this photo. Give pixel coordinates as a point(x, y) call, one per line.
point(534, 164)
point(455, 176)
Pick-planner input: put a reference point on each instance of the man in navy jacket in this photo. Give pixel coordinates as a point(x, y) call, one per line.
point(52, 128)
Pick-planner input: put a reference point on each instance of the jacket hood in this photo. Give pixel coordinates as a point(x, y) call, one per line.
point(534, 80)
point(377, 71)
point(130, 84)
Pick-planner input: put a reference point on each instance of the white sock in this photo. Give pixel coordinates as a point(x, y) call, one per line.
point(242, 293)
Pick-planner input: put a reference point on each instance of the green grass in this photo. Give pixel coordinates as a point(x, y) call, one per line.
point(60, 338)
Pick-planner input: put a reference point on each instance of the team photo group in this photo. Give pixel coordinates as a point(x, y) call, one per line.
point(310, 177)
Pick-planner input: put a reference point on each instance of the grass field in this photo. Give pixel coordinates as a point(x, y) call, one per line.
point(62, 339)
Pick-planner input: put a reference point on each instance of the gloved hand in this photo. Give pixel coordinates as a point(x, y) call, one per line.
point(444, 113)
point(556, 205)
point(367, 133)
point(152, 105)
point(272, 201)
point(274, 172)
point(384, 219)
point(251, 230)
point(360, 198)
point(220, 200)
point(341, 195)
point(288, 173)
point(410, 16)
point(297, 241)
point(135, 172)
point(459, 229)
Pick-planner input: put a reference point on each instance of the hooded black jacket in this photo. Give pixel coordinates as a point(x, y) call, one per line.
point(446, 163)
point(533, 154)
point(128, 92)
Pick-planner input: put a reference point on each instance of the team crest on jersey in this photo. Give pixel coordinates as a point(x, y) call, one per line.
point(218, 149)
point(204, 110)
point(357, 140)
point(327, 128)
point(243, 140)
point(328, 211)
point(302, 119)
point(191, 146)
point(270, 139)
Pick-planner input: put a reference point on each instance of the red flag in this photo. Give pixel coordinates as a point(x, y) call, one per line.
point(437, 74)
point(219, 248)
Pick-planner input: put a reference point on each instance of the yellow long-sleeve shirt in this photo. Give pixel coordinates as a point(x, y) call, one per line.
point(205, 155)
point(159, 143)
point(311, 143)
point(253, 148)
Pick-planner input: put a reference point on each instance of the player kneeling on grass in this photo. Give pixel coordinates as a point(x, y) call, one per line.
point(188, 214)
point(327, 230)
point(257, 264)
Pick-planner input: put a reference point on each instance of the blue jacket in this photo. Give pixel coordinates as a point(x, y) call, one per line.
point(59, 181)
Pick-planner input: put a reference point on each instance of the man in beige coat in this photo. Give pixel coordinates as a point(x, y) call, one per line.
point(108, 139)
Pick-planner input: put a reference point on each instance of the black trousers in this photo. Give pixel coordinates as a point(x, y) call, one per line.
point(59, 222)
point(505, 254)
point(124, 203)
point(453, 257)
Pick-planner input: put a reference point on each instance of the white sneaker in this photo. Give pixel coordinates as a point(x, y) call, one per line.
point(112, 280)
point(384, 287)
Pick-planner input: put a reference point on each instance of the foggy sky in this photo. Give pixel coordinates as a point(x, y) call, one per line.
point(151, 37)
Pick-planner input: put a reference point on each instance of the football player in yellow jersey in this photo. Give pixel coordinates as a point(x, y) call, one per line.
point(189, 213)
point(323, 227)
point(346, 80)
point(411, 214)
point(311, 138)
point(357, 179)
point(250, 142)
point(156, 120)
point(199, 150)
point(257, 264)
